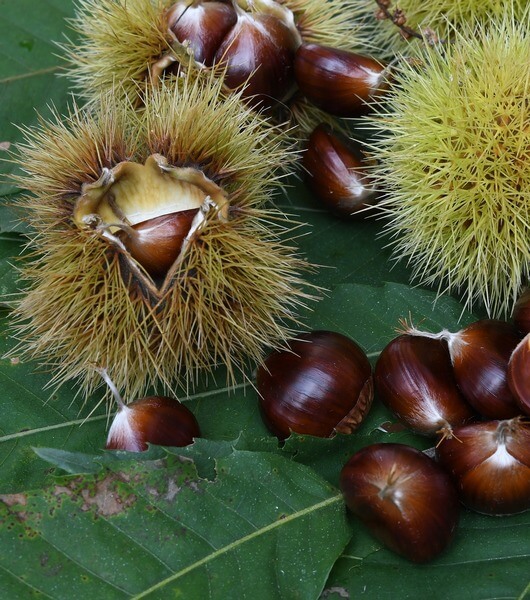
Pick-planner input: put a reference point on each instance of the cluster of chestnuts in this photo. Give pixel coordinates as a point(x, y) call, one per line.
point(265, 51)
point(455, 387)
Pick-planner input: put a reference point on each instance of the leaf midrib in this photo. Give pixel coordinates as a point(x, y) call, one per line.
point(71, 423)
point(233, 545)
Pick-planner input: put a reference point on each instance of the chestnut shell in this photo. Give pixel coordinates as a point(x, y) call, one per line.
point(339, 82)
point(336, 173)
point(405, 499)
point(490, 463)
point(414, 379)
point(156, 420)
point(480, 364)
point(320, 385)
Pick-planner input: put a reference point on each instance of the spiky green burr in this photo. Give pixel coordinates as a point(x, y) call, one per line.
point(453, 155)
point(434, 19)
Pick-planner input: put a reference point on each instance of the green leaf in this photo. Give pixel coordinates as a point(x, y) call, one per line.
point(29, 65)
point(154, 528)
point(490, 558)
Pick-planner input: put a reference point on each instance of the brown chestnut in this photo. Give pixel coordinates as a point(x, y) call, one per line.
point(403, 497)
point(414, 379)
point(490, 463)
point(480, 353)
point(519, 374)
point(339, 82)
point(261, 46)
point(321, 384)
point(336, 172)
point(156, 420)
point(156, 243)
point(203, 25)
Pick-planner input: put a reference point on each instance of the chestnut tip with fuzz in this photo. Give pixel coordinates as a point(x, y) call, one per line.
point(156, 420)
point(490, 463)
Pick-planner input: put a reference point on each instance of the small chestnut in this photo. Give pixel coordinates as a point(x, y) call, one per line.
point(321, 384)
point(490, 463)
point(152, 420)
point(414, 379)
point(336, 172)
point(338, 81)
point(405, 499)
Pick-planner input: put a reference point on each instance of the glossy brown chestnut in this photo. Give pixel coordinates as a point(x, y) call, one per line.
point(414, 379)
point(153, 420)
point(336, 172)
point(203, 25)
point(260, 45)
point(480, 353)
point(490, 463)
point(337, 81)
point(519, 374)
point(521, 312)
point(320, 385)
point(403, 497)
point(156, 243)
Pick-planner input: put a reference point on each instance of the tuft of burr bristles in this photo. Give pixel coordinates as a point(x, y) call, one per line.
point(453, 153)
point(237, 285)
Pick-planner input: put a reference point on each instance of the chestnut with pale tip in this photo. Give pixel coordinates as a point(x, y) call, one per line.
point(156, 420)
point(479, 354)
point(414, 379)
point(321, 384)
point(490, 463)
point(339, 82)
point(337, 173)
point(405, 499)
point(259, 51)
